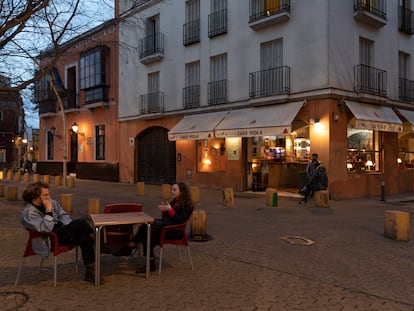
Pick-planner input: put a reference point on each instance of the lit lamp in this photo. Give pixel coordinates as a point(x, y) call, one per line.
point(349, 166)
point(399, 161)
point(75, 127)
point(368, 164)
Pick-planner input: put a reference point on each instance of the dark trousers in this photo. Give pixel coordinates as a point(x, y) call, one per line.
point(78, 232)
point(141, 237)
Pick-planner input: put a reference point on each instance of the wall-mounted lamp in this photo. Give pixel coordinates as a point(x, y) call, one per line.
point(335, 117)
point(313, 120)
point(75, 129)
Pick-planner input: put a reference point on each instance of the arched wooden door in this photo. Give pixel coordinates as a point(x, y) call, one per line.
point(155, 161)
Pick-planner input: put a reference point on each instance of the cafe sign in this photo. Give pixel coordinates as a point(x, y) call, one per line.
point(378, 126)
point(254, 132)
point(190, 136)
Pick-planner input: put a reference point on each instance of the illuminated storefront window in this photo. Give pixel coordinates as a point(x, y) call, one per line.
point(211, 155)
point(364, 153)
point(405, 158)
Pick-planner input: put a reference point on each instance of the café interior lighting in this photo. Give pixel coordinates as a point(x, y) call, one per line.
point(368, 164)
point(399, 161)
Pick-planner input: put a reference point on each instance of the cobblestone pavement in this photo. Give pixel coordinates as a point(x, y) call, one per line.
point(245, 265)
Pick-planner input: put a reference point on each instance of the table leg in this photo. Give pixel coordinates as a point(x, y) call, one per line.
point(147, 271)
point(98, 255)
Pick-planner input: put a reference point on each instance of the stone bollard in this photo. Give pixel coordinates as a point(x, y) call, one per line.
point(36, 177)
point(67, 203)
point(1, 190)
point(166, 191)
point(26, 177)
point(140, 188)
point(397, 225)
point(10, 175)
point(322, 198)
point(228, 197)
point(58, 180)
point(71, 182)
point(12, 193)
point(198, 225)
point(271, 197)
point(18, 176)
point(195, 194)
point(94, 206)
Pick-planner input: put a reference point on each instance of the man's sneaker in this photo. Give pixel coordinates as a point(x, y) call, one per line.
point(302, 202)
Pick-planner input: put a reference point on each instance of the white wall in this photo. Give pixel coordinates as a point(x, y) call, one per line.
point(321, 46)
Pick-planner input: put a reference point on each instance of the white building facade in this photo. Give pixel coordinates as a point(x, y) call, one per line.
point(240, 93)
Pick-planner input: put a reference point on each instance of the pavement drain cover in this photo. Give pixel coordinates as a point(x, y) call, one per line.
point(298, 240)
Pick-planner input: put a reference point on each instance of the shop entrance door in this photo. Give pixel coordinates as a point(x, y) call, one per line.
point(155, 160)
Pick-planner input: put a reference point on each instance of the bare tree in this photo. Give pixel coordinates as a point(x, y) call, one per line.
point(29, 27)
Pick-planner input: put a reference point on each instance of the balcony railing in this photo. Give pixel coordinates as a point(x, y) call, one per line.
point(370, 80)
point(406, 20)
point(151, 103)
point(406, 89)
point(191, 32)
point(377, 7)
point(191, 96)
point(152, 47)
point(217, 23)
point(371, 12)
point(71, 100)
point(47, 107)
point(259, 9)
point(269, 82)
point(217, 92)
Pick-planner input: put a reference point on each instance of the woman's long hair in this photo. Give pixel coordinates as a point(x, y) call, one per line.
point(185, 196)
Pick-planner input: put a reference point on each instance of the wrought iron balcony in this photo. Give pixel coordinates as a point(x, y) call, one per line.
point(217, 23)
point(151, 48)
point(191, 97)
point(406, 20)
point(370, 80)
point(269, 82)
point(71, 100)
point(151, 103)
point(191, 32)
point(406, 89)
point(263, 13)
point(217, 92)
point(48, 106)
point(371, 12)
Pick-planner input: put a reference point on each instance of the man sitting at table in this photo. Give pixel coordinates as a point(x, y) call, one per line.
point(44, 214)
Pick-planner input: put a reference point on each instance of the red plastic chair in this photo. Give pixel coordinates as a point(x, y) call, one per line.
point(56, 249)
point(168, 236)
point(120, 235)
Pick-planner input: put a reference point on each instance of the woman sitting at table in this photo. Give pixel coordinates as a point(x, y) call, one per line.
point(177, 211)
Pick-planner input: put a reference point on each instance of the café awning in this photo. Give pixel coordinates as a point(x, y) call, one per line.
point(374, 117)
point(409, 115)
point(196, 126)
point(259, 121)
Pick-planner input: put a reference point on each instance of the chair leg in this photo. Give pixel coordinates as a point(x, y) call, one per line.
point(160, 265)
point(18, 273)
point(54, 270)
point(179, 253)
point(76, 260)
point(191, 258)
